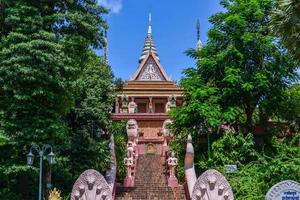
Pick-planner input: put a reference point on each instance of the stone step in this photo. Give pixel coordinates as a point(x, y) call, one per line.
point(150, 182)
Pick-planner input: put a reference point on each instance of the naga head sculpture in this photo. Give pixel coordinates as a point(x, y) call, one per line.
point(91, 185)
point(212, 185)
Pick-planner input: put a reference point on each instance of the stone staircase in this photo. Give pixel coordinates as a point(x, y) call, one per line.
point(150, 182)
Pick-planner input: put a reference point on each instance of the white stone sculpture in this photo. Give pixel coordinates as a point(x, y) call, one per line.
point(128, 163)
point(130, 150)
point(172, 163)
point(171, 103)
point(167, 133)
point(212, 185)
point(132, 107)
point(168, 106)
point(132, 129)
point(91, 185)
point(284, 190)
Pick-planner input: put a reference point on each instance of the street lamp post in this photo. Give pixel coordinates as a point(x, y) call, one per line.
point(40, 151)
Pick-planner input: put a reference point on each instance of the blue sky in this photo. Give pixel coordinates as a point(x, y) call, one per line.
point(173, 26)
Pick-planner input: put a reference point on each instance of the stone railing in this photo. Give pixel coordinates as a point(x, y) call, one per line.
point(132, 152)
point(130, 163)
point(211, 185)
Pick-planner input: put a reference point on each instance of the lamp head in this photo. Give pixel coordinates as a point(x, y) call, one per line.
point(51, 157)
point(30, 158)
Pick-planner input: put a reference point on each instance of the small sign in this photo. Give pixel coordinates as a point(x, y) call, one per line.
point(231, 169)
point(285, 190)
point(290, 195)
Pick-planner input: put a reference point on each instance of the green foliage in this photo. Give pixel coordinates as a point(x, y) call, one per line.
point(202, 107)
point(258, 169)
point(119, 83)
point(280, 161)
point(232, 148)
point(119, 131)
point(241, 69)
point(87, 122)
point(289, 108)
point(54, 90)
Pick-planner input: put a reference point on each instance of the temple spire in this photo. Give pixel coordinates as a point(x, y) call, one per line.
point(199, 43)
point(105, 48)
point(149, 46)
point(150, 25)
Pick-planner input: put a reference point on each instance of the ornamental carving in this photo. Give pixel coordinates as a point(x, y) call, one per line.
point(91, 185)
point(284, 190)
point(171, 103)
point(54, 195)
point(172, 162)
point(132, 128)
point(212, 185)
point(151, 71)
point(167, 132)
point(132, 107)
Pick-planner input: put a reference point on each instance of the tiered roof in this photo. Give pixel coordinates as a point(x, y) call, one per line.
point(150, 77)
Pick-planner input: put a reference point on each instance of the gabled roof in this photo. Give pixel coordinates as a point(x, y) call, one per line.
point(150, 69)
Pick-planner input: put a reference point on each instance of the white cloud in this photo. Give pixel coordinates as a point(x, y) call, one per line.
point(114, 6)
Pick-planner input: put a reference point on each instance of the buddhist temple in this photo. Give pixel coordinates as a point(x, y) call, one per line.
point(149, 95)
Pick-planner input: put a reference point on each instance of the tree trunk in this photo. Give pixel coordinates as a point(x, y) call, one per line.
point(249, 118)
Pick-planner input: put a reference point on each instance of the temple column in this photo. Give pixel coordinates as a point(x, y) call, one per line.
point(117, 105)
point(150, 105)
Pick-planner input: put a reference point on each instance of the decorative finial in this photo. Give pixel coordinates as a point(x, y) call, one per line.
point(149, 46)
point(54, 194)
point(150, 25)
point(105, 48)
point(198, 29)
point(199, 43)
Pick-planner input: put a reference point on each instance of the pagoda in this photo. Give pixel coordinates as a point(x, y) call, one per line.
point(149, 95)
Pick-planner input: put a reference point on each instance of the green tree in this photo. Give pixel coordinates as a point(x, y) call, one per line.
point(88, 124)
point(289, 108)
point(287, 26)
point(44, 48)
point(242, 75)
point(243, 64)
point(91, 114)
